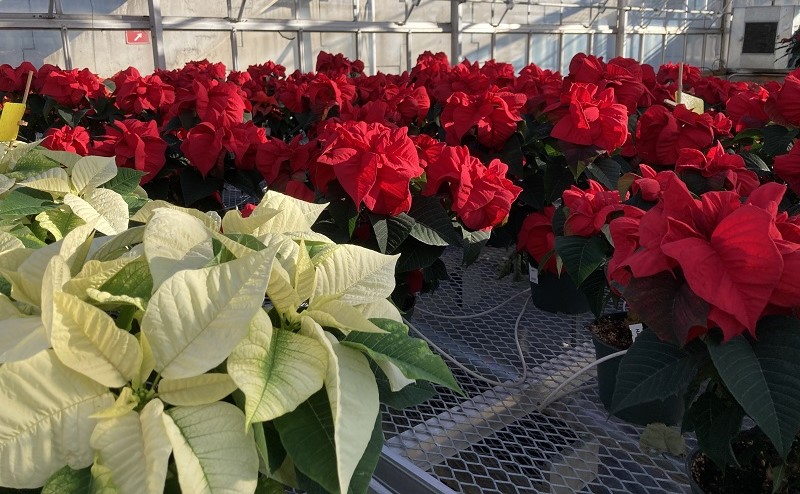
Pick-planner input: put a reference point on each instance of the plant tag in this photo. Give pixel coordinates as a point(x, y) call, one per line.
point(533, 274)
point(636, 330)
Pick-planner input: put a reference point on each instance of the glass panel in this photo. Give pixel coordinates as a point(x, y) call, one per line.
point(632, 43)
point(193, 8)
point(24, 6)
point(431, 11)
point(694, 49)
point(260, 9)
point(545, 51)
point(184, 46)
point(510, 48)
point(476, 47)
point(259, 47)
point(432, 42)
point(344, 43)
point(573, 44)
point(390, 55)
point(328, 10)
point(673, 51)
point(36, 47)
point(712, 52)
point(604, 46)
point(105, 7)
point(652, 49)
point(106, 52)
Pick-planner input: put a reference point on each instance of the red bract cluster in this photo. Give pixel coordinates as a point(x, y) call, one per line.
point(472, 135)
point(741, 258)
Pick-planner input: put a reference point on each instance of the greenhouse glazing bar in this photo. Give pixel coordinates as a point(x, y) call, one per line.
point(623, 29)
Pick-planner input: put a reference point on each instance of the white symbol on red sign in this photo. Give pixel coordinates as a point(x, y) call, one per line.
point(137, 37)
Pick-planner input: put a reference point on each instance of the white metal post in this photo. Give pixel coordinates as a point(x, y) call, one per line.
point(455, 31)
point(622, 26)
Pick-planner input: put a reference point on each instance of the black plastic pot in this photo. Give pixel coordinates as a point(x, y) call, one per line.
point(668, 411)
point(696, 489)
point(558, 294)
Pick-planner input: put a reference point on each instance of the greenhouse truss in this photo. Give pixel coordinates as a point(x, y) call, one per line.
point(387, 35)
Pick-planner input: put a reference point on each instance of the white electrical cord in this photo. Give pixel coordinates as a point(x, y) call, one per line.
point(523, 377)
point(461, 366)
point(552, 396)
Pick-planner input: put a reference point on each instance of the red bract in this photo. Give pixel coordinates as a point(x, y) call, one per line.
point(203, 147)
point(492, 116)
point(324, 93)
point(668, 74)
point(70, 88)
point(733, 255)
point(373, 163)
point(746, 109)
point(589, 210)
point(198, 70)
point(242, 140)
point(218, 103)
point(788, 99)
point(136, 94)
point(484, 195)
point(67, 139)
point(536, 237)
point(542, 88)
point(465, 78)
point(724, 171)
point(12, 80)
point(660, 133)
point(787, 166)
point(135, 144)
point(336, 65)
point(593, 119)
point(280, 162)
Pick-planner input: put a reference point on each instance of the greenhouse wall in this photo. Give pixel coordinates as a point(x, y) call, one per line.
point(386, 34)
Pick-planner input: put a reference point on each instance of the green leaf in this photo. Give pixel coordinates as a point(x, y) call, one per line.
point(133, 281)
point(30, 164)
point(410, 355)
point(213, 450)
point(415, 255)
point(307, 434)
point(25, 201)
point(433, 225)
point(267, 485)
point(71, 481)
point(764, 377)
point(248, 241)
point(391, 231)
point(473, 245)
point(778, 139)
point(276, 369)
point(125, 182)
point(411, 395)
point(754, 161)
point(581, 256)
point(606, 171)
point(221, 254)
point(359, 484)
point(59, 221)
point(652, 370)
point(715, 421)
point(194, 186)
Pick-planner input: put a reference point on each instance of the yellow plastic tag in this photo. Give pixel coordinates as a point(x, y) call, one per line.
point(692, 103)
point(9, 121)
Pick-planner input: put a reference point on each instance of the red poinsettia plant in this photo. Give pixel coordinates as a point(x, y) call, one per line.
point(714, 277)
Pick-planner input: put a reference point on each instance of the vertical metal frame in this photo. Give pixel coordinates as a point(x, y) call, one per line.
point(66, 47)
point(455, 31)
point(157, 34)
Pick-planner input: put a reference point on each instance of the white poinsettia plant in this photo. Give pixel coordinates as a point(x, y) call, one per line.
point(198, 354)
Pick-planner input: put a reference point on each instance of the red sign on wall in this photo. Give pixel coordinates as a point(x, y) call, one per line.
point(137, 37)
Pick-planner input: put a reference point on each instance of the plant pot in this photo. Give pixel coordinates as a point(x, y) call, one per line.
point(555, 294)
point(754, 454)
point(668, 411)
point(695, 487)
